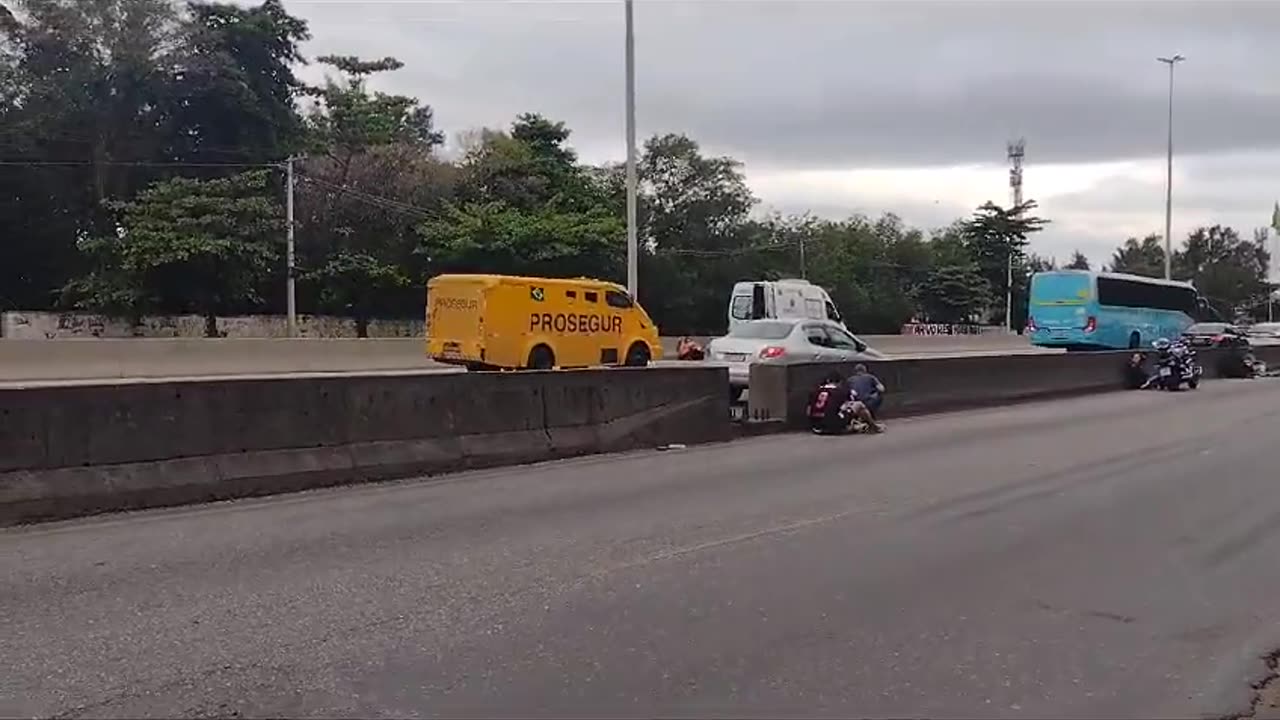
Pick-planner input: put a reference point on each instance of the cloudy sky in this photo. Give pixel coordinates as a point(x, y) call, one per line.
point(837, 106)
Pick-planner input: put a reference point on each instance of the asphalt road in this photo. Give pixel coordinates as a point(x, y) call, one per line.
point(1112, 556)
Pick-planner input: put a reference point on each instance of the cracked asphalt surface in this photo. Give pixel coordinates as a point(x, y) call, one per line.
point(1112, 556)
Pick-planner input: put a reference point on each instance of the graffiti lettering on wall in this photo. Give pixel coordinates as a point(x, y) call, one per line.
point(941, 329)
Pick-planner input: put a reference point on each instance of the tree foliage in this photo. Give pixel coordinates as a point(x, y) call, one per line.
point(196, 246)
point(955, 293)
point(358, 256)
point(1078, 262)
point(997, 238)
point(524, 205)
point(1139, 257)
point(1230, 272)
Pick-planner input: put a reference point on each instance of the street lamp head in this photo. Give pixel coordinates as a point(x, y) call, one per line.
point(1171, 60)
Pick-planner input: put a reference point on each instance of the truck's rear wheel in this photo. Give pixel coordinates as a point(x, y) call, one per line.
point(541, 358)
point(638, 355)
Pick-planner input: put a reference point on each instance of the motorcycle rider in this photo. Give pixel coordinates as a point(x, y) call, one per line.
point(1135, 375)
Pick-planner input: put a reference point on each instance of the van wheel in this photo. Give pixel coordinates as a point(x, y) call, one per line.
point(541, 358)
point(638, 355)
point(1135, 341)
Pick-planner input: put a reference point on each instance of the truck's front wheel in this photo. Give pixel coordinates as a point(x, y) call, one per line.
point(541, 358)
point(638, 355)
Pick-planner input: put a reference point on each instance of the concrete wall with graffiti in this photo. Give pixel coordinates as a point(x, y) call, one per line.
point(950, 329)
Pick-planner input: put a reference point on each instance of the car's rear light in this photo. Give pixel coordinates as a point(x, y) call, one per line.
point(1031, 324)
point(773, 351)
point(1219, 338)
point(1091, 324)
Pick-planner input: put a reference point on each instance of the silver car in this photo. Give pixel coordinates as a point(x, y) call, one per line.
point(785, 341)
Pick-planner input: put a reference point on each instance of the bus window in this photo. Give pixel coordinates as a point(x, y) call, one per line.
point(590, 297)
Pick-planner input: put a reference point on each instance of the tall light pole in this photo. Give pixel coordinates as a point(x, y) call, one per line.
point(633, 247)
point(291, 300)
point(1168, 183)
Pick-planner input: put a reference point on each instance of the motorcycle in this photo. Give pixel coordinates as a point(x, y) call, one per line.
point(1177, 367)
point(689, 349)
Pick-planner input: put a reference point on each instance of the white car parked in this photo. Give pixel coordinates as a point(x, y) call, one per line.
point(785, 341)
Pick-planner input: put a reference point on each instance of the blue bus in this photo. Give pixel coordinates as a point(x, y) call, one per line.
point(1084, 310)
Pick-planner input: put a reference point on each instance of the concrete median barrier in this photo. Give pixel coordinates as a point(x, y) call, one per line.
point(110, 358)
point(938, 384)
point(67, 451)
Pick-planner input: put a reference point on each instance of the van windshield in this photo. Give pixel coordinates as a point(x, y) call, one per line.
point(765, 330)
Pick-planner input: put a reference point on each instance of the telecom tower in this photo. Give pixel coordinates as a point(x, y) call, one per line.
point(1016, 150)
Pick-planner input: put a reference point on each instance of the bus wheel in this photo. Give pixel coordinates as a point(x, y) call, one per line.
point(1135, 341)
point(638, 355)
point(541, 358)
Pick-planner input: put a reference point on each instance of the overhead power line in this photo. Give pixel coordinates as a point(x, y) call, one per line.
point(378, 201)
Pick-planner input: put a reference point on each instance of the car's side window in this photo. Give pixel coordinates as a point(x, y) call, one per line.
point(844, 340)
point(816, 335)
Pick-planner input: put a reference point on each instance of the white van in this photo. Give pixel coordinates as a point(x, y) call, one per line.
point(780, 299)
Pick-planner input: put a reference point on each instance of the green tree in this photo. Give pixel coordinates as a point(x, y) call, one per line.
point(234, 92)
point(997, 236)
point(524, 206)
point(1139, 257)
point(185, 245)
point(696, 236)
point(347, 118)
point(873, 270)
point(1035, 263)
point(955, 294)
point(1227, 270)
point(79, 82)
point(372, 179)
point(130, 86)
point(1078, 261)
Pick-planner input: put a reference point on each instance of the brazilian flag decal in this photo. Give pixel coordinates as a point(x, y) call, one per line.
point(537, 294)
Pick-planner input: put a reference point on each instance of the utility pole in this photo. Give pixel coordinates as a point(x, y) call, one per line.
point(1168, 183)
point(1271, 291)
point(1015, 152)
point(804, 266)
point(291, 301)
point(633, 246)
